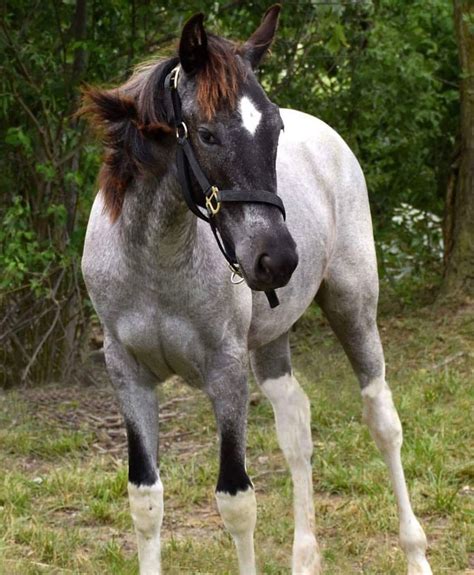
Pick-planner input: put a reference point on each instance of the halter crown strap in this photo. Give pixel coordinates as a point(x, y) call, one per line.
point(212, 197)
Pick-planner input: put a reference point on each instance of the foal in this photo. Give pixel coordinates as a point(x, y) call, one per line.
point(162, 288)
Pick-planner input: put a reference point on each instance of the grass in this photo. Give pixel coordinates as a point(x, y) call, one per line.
point(63, 505)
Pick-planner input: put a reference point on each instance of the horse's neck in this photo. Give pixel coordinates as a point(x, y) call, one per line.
point(157, 223)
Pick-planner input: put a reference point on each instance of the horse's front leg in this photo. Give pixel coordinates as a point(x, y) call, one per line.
point(271, 365)
point(135, 387)
point(228, 390)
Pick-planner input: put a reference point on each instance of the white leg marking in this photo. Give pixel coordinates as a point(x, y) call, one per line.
point(250, 115)
point(239, 513)
point(146, 506)
point(293, 424)
point(385, 427)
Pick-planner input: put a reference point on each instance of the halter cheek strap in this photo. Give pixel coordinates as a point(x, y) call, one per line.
point(212, 196)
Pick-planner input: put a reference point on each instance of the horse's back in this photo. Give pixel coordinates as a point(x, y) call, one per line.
point(312, 151)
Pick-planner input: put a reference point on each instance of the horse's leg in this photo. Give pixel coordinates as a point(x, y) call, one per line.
point(271, 365)
point(235, 495)
point(136, 392)
point(351, 311)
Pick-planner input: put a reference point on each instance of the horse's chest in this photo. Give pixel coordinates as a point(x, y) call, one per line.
point(167, 343)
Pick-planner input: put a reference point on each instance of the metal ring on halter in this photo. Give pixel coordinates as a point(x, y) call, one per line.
point(185, 131)
point(236, 279)
point(174, 74)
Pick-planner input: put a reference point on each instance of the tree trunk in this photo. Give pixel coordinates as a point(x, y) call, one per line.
point(459, 273)
point(79, 34)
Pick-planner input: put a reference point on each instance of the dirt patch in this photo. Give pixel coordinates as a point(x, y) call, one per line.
point(77, 408)
point(95, 409)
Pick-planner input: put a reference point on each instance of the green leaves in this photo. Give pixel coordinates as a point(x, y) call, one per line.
point(47, 170)
point(18, 137)
point(337, 40)
point(23, 257)
point(384, 75)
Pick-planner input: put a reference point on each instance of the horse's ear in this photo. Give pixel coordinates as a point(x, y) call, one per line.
point(260, 41)
point(193, 44)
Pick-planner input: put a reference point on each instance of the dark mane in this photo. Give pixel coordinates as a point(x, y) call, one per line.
point(128, 117)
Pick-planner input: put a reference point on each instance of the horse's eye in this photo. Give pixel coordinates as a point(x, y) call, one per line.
point(206, 136)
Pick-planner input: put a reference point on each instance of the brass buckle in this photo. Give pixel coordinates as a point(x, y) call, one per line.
point(213, 208)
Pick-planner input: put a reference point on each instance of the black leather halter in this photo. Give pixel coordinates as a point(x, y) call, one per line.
point(212, 197)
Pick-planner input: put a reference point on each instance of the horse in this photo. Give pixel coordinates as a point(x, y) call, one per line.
point(163, 291)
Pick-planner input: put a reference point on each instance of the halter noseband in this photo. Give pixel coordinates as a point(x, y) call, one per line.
point(212, 196)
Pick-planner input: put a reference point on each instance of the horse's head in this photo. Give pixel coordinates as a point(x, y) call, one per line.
point(234, 130)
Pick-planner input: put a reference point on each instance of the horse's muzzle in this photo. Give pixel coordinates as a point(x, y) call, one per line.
point(267, 253)
point(274, 270)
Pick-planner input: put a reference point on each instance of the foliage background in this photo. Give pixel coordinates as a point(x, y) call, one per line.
point(384, 73)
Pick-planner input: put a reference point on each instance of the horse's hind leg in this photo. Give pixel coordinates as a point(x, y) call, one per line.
point(136, 392)
point(351, 311)
point(271, 365)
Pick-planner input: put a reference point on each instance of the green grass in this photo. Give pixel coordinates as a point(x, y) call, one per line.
point(63, 504)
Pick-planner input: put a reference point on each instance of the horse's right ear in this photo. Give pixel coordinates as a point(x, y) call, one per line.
point(193, 44)
point(260, 41)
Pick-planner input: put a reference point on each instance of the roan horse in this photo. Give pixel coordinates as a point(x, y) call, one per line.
point(162, 288)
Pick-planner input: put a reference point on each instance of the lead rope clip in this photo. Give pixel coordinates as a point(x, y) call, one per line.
point(236, 277)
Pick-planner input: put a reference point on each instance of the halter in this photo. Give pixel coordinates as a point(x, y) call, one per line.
point(212, 196)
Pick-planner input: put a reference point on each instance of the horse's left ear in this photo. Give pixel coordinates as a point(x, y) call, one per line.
point(260, 41)
point(193, 44)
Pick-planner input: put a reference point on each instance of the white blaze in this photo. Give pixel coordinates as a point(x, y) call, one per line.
point(250, 115)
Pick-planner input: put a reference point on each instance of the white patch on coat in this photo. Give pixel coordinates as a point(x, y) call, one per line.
point(239, 514)
point(146, 506)
point(250, 115)
point(293, 423)
point(384, 424)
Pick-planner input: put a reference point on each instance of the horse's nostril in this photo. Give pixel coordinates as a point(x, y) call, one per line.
point(264, 266)
point(275, 270)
